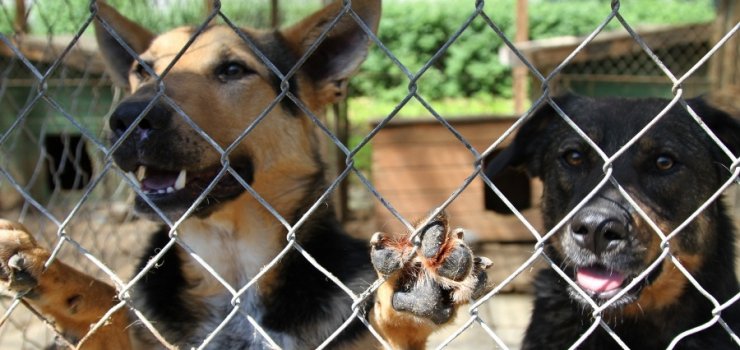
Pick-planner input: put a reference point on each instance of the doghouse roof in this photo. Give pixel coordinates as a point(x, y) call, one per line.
point(82, 56)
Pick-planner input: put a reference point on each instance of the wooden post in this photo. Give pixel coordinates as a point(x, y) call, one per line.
point(337, 158)
point(208, 6)
point(341, 130)
point(20, 24)
point(520, 71)
point(275, 13)
point(723, 66)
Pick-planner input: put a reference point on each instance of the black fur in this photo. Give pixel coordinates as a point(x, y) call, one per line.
point(302, 291)
point(698, 168)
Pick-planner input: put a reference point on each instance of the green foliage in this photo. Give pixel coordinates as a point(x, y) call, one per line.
point(414, 30)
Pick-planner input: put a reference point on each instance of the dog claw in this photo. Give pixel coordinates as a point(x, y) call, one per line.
point(18, 277)
point(16, 262)
point(386, 260)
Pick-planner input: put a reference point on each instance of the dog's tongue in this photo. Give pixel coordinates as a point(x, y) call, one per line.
point(158, 180)
point(598, 279)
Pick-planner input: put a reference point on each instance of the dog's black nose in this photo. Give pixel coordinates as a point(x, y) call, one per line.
point(598, 230)
point(157, 117)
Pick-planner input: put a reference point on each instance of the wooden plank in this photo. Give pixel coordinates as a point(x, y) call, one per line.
point(421, 201)
point(551, 52)
point(484, 226)
point(473, 197)
point(421, 179)
point(482, 132)
point(392, 156)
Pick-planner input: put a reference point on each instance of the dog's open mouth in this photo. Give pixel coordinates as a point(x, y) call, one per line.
point(176, 190)
point(599, 281)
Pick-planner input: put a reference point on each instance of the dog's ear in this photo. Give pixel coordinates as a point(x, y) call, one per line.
point(528, 142)
point(722, 124)
point(341, 52)
point(506, 169)
point(116, 57)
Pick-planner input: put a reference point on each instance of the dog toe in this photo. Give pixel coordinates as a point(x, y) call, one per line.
point(458, 262)
point(386, 259)
point(20, 279)
point(433, 239)
point(20, 257)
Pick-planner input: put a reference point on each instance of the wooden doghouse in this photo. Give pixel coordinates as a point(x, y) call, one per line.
point(417, 165)
point(41, 131)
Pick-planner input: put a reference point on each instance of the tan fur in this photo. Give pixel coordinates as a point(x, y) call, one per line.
point(666, 289)
point(403, 331)
point(75, 301)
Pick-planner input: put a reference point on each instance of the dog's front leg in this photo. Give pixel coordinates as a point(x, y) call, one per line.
point(72, 299)
point(424, 286)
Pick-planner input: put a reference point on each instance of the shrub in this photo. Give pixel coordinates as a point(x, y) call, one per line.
point(414, 30)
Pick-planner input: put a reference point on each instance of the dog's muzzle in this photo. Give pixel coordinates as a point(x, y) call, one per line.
point(166, 163)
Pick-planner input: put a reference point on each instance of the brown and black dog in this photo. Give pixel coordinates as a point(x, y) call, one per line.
point(221, 85)
point(670, 172)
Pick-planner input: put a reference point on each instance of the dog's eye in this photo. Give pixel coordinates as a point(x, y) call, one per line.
point(664, 162)
point(140, 71)
point(573, 158)
point(232, 71)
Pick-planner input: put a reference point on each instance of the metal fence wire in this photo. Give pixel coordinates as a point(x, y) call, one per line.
point(58, 177)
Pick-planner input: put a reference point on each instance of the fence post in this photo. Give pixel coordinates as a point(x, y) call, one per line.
point(520, 71)
point(724, 74)
point(20, 24)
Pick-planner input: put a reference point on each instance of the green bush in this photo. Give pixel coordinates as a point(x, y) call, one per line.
point(414, 30)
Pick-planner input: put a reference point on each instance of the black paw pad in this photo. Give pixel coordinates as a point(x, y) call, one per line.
point(433, 237)
point(425, 299)
point(457, 264)
point(386, 260)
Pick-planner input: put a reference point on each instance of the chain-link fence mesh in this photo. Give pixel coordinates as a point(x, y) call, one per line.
point(60, 181)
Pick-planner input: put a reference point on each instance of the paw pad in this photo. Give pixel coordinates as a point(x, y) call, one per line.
point(433, 276)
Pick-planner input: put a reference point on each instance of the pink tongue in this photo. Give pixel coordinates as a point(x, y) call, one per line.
point(158, 181)
point(598, 280)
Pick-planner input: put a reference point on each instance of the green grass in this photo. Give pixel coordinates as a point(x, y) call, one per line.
point(364, 110)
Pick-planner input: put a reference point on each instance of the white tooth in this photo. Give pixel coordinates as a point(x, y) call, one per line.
point(170, 190)
point(161, 191)
point(181, 178)
point(133, 179)
point(141, 172)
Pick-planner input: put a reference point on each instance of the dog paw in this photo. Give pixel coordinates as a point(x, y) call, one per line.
point(430, 281)
point(21, 259)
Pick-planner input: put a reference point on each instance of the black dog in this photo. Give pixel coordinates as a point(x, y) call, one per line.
point(669, 172)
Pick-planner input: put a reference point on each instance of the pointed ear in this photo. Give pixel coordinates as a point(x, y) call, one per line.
point(342, 50)
point(722, 124)
point(116, 57)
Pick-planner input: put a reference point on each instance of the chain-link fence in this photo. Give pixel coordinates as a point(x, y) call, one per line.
point(60, 180)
